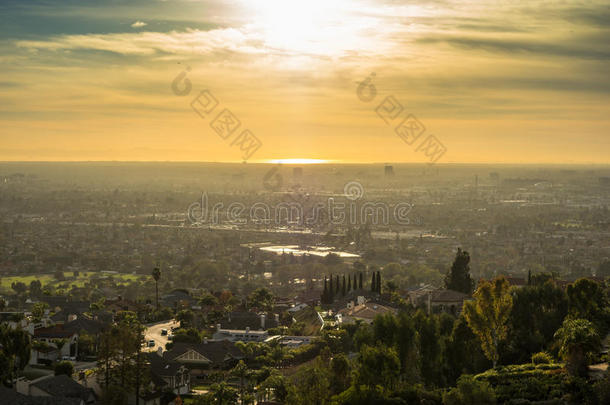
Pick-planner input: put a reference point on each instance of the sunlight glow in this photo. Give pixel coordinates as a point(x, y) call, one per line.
point(299, 161)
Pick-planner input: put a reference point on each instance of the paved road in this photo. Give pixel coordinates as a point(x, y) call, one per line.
point(153, 332)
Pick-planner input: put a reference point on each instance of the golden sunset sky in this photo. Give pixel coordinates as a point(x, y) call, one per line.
point(497, 81)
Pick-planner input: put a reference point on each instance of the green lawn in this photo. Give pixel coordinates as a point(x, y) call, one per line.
point(50, 279)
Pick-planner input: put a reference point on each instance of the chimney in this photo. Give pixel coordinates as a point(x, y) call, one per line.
point(205, 340)
point(160, 351)
point(217, 326)
point(277, 318)
point(263, 321)
point(247, 329)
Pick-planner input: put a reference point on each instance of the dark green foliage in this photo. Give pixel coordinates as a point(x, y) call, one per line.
point(458, 278)
point(373, 280)
point(538, 311)
point(577, 339)
point(63, 367)
point(588, 300)
point(470, 391)
point(14, 352)
point(463, 353)
point(377, 366)
point(541, 358)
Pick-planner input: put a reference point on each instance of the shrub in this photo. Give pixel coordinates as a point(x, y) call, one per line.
point(542, 358)
point(470, 391)
point(64, 367)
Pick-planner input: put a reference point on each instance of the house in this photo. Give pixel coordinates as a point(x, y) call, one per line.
point(365, 312)
point(240, 335)
point(179, 298)
point(439, 300)
point(291, 341)
point(250, 320)
point(199, 358)
point(59, 386)
point(168, 375)
point(52, 343)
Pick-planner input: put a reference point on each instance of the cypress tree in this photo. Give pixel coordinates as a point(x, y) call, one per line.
point(337, 286)
point(360, 281)
point(343, 287)
point(458, 278)
point(331, 290)
point(378, 282)
point(373, 288)
point(325, 293)
point(349, 282)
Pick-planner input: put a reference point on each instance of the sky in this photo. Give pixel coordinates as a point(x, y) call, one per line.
point(338, 80)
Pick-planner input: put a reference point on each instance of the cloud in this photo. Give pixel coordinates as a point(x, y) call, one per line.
point(138, 24)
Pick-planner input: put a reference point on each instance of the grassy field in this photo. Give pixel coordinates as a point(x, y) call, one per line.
point(69, 278)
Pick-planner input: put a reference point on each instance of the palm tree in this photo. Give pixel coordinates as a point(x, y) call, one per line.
point(577, 339)
point(156, 273)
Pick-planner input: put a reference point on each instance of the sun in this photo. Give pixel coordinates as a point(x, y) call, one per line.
point(307, 27)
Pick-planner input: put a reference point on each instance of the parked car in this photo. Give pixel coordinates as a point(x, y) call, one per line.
point(151, 343)
point(68, 358)
point(163, 332)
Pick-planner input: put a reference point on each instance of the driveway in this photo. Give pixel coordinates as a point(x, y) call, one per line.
point(153, 332)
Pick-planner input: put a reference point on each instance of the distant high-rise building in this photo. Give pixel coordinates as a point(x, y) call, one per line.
point(388, 171)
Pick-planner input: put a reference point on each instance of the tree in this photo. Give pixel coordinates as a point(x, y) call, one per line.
point(538, 311)
point(19, 287)
point(470, 391)
point(310, 385)
point(373, 288)
point(15, 349)
point(122, 370)
point(38, 310)
point(587, 300)
point(208, 300)
point(185, 317)
point(458, 278)
point(35, 288)
point(378, 282)
point(488, 315)
point(241, 371)
point(349, 282)
point(577, 339)
point(275, 383)
point(59, 275)
point(378, 365)
point(343, 287)
point(340, 373)
point(261, 298)
point(64, 367)
point(156, 274)
point(360, 281)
